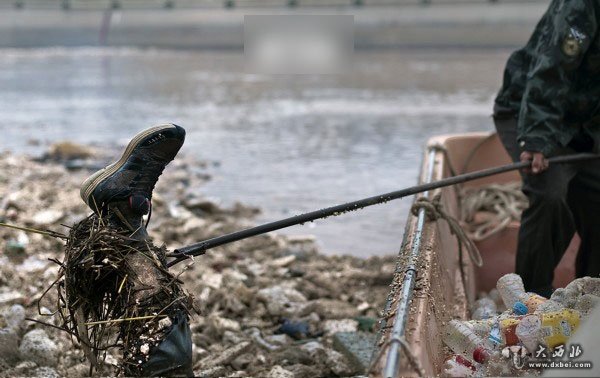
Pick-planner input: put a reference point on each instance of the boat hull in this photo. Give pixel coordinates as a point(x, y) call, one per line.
point(445, 281)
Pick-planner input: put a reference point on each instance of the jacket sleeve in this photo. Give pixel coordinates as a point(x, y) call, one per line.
point(562, 44)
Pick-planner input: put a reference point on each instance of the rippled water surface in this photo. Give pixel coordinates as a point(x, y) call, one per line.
point(287, 144)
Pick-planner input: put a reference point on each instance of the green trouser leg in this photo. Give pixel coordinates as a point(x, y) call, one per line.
point(563, 199)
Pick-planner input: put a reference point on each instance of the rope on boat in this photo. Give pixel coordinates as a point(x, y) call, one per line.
point(434, 211)
point(410, 356)
point(501, 203)
point(487, 210)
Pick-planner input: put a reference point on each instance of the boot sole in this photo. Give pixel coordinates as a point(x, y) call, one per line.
point(92, 182)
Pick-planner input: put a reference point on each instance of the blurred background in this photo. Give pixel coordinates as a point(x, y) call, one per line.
point(98, 71)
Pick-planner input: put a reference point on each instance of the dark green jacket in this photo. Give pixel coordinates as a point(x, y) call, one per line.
point(553, 84)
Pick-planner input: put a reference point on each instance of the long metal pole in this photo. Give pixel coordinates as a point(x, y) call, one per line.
point(196, 249)
point(408, 285)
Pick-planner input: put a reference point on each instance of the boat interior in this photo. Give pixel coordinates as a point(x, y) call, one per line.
point(435, 281)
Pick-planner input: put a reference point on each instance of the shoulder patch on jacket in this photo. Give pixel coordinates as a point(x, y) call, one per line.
point(571, 45)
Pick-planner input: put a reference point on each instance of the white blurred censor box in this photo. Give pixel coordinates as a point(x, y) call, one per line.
point(298, 44)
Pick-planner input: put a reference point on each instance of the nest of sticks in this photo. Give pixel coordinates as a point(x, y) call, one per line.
point(115, 292)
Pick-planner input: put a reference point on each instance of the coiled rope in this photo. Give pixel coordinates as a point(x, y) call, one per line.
point(487, 210)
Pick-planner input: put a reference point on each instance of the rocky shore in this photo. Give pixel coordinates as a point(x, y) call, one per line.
point(271, 306)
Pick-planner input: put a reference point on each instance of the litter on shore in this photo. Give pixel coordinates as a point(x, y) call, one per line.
point(268, 306)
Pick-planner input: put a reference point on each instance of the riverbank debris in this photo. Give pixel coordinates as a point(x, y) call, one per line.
point(225, 283)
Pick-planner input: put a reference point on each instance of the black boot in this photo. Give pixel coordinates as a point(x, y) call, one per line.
point(121, 193)
point(132, 178)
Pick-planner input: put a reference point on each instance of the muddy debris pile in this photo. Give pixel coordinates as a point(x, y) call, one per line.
point(511, 328)
point(270, 306)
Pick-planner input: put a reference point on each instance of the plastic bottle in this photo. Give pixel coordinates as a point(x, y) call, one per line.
point(557, 327)
point(507, 329)
point(503, 333)
point(549, 306)
point(495, 296)
point(528, 331)
point(511, 289)
point(458, 366)
point(586, 304)
point(495, 335)
point(528, 303)
point(550, 329)
point(532, 301)
point(481, 327)
point(519, 308)
point(569, 295)
point(505, 315)
point(462, 340)
point(484, 308)
point(497, 366)
point(590, 285)
point(584, 285)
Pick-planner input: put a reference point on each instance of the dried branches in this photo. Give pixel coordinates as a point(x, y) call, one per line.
point(115, 291)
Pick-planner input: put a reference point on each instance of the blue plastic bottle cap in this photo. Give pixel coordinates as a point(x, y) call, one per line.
point(520, 308)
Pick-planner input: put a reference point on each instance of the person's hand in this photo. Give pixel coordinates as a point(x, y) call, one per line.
point(538, 162)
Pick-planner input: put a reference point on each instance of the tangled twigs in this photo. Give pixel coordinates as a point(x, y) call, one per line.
point(52, 234)
point(115, 291)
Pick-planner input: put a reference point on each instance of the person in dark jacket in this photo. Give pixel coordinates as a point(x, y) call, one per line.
point(549, 105)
